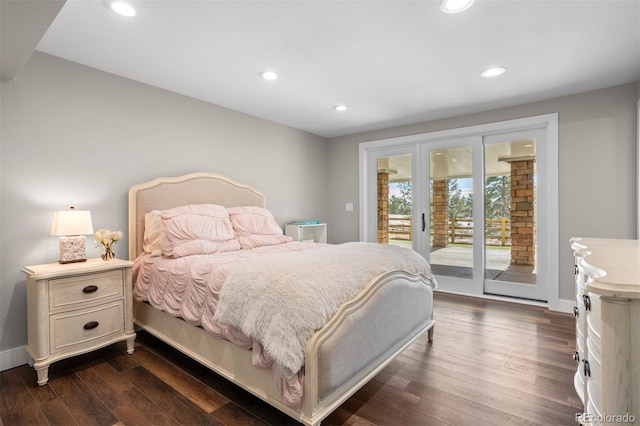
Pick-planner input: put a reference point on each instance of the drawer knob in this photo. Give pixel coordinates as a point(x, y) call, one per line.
point(91, 325)
point(576, 311)
point(576, 356)
point(90, 289)
point(587, 368)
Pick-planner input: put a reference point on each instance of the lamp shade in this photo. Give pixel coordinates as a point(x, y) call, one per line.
point(72, 222)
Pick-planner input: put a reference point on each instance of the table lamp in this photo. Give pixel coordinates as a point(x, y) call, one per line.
point(71, 226)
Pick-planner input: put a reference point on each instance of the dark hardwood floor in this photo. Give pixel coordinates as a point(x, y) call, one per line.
point(491, 363)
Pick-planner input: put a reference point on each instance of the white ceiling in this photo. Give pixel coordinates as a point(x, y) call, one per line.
point(391, 62)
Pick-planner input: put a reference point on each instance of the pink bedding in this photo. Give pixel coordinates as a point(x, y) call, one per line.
point(189, 288)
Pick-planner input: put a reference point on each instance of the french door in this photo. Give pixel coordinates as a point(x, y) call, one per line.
point(482, 203)
point(525, 275)
point(451, 182)
point(478, 205)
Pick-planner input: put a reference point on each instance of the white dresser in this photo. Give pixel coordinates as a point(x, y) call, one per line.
point(607, 380)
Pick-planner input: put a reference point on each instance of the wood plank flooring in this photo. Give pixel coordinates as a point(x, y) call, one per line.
point(491, 363)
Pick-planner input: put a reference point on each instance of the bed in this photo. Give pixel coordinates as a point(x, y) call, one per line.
point(339, 357)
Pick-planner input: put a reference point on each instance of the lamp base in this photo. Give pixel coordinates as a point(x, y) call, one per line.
point(73, 249)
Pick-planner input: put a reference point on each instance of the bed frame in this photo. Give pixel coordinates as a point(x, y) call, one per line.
point(354, 346)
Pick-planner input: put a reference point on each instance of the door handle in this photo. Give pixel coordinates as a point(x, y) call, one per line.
point(424, 223)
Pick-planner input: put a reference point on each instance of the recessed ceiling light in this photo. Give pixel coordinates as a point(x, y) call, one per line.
point(122, 8)
point(269, 75)
point(493, 72)
point(340, 108)
point(455, 6)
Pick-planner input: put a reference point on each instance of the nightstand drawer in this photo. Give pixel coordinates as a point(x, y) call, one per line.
point(86, 327)
point(74, 292)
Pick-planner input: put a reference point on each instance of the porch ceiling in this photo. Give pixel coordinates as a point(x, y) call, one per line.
point(455, 163)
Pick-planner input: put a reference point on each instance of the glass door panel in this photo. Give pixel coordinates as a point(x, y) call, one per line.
point(513, 225)
point(451, 211)
point(510, 211)
point(394, 200)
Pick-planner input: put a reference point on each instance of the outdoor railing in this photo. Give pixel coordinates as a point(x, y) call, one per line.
point(460, 229)
point(400, 227)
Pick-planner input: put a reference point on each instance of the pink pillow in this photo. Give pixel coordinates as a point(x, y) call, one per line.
point(196, 229)
point(256, 227)
point(153, 234)
point(253, 241)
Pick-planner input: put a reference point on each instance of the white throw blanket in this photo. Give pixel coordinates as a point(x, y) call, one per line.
point(281, 299)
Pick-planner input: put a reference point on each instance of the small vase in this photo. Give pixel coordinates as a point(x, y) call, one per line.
point(107, 254)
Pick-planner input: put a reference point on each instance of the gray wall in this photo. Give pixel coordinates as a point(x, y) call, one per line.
point(597, 162)
point(73, 135)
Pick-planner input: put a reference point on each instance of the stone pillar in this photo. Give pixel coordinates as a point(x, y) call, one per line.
point(383, 207)
point(440, 213)
point(522, 213)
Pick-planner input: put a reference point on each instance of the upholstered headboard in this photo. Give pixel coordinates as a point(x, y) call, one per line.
point(194, 188)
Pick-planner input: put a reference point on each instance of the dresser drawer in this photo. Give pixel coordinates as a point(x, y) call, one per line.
point(582, 314)
point(86, 327)
point(593, 415)
point(594, 318)
point(580, 283)
point(594, 380)
point(579, 385)
point(86, 290)
point(581, 343)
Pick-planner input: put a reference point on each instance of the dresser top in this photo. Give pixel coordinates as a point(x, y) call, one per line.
point(51, 270)
point(614, 265)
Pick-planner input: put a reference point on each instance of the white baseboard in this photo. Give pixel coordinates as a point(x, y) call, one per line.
point(13, 358)
point(563, 305)
point(566, 305)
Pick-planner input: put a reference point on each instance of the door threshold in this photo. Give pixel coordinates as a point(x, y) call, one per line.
point(510, 299)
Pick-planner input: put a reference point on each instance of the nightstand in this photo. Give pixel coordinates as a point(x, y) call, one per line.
point(315, 232)
point(76, 308)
